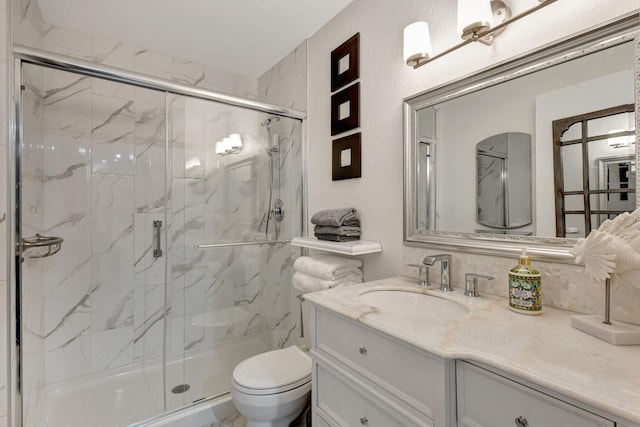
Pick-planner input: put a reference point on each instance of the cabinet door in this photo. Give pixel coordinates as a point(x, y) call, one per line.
point(486, 399)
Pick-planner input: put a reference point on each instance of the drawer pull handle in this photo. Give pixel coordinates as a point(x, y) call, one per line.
point(363, 351)
point(364, 421)
point(522, 422)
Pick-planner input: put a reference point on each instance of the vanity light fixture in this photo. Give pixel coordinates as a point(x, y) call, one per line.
point(417, 43)
point(229, 145)
point(478, 21)
point(619, 138)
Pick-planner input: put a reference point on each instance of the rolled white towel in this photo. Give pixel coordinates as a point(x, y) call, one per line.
point(328, 267)
point(306, 283)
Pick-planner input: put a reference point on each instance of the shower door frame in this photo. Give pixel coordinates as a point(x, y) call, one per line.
point(26, 55)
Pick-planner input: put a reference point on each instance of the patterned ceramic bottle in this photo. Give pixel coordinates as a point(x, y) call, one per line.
point(524, 287)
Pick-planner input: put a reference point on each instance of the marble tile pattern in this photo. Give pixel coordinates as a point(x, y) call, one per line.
point(94, 174)
point(543, 349)
point(564, 286)
point(285, 83)
point(97, 173)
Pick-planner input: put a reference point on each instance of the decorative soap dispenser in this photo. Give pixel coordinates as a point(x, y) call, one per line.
point(524, 287)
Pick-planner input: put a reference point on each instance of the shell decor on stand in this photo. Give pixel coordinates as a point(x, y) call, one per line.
point(611, 252)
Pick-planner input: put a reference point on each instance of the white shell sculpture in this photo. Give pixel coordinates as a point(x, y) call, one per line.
point(613, 249)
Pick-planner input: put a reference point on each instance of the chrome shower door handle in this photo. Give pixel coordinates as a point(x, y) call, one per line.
point(157, 228)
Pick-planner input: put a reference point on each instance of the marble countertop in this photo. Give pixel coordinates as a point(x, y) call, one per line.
point(543, 349)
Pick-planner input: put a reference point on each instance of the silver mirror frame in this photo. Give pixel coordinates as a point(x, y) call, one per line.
point(623, 30)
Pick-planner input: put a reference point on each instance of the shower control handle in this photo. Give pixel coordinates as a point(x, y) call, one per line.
point(157, 228)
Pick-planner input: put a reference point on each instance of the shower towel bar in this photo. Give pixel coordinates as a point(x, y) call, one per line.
point(226, 245)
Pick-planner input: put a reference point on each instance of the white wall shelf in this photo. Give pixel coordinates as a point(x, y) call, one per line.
point(355, 247)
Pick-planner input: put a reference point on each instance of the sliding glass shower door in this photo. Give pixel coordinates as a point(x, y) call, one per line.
point(154, 232)
point(93, 162)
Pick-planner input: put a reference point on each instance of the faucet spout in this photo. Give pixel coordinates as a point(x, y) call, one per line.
point(445, 272)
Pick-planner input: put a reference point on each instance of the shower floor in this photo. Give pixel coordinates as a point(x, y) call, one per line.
point(134, 393)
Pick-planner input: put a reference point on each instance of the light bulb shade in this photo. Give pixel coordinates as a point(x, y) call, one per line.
point(226, 144)
point(235, 141)
point(219, 147)
point(473, 16)
point(417, 43)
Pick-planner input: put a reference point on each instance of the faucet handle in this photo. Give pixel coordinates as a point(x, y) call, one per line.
point(471, 283)
point(423, 272)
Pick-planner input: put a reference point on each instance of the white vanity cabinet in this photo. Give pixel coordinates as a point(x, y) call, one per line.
point(486, 399)
point(363, 377)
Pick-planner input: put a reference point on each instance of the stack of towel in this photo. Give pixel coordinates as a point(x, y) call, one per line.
point(336, 225)
point(320, 272)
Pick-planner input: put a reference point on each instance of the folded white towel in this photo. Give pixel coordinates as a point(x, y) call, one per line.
point(328, 267)
point(306, 283)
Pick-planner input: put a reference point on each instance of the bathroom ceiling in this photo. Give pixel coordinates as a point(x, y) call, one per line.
point(241, 36)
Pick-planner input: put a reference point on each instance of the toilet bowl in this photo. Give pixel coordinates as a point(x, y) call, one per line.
point(272, 388)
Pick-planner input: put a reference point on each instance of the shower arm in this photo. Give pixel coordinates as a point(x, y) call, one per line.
point(227, 245)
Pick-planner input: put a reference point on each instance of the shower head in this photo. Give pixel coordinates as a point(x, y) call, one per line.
point(267, 122)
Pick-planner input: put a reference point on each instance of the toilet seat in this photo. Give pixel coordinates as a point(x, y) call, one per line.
point(273, 372)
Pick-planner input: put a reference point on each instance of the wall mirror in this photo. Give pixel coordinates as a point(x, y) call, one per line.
point(483, 166)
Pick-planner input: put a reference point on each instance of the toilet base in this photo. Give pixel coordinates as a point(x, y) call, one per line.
point(279, 423)
point(272, 410)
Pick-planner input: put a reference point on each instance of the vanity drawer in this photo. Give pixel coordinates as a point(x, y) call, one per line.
point(486, 399)
point(349, 401)
point(409, 374)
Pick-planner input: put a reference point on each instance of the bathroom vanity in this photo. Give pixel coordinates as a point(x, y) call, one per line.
point(486, 366)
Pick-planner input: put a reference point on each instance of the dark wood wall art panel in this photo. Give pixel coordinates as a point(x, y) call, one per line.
point(345, 63)
point(346, 157)
point(345, 109)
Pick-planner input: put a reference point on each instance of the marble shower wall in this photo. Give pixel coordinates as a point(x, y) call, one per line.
point(103, 205)
point(90, 154)
point(286, 84)
point(96, 178)
point(225, 293)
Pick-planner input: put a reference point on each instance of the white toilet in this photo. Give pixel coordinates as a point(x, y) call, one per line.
point(271, 389)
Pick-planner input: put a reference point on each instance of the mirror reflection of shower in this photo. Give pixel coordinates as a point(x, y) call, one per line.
point(275, 208)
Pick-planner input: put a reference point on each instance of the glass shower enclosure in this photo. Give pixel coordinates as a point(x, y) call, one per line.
point(152, 228)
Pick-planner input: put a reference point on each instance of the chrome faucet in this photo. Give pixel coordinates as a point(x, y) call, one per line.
point(423, 274)
point(445, 272)
point(471, 283)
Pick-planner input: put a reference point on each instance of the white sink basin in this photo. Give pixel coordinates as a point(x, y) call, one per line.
point(412, 304)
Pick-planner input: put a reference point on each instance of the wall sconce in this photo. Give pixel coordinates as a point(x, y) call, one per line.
point(478, 20)
point(229, 145)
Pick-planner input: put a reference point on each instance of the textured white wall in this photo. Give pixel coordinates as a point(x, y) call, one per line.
point(385, 81)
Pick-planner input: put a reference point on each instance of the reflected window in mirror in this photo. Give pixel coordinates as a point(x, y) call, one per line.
point(595, 168)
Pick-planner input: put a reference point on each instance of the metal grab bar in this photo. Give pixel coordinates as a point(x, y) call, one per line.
point(227, 245)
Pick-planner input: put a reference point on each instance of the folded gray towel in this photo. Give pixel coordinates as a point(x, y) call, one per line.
point(335, 217)
point(340, 231)
point(336, 237)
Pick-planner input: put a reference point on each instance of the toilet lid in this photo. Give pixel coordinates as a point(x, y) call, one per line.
point(274, 370)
